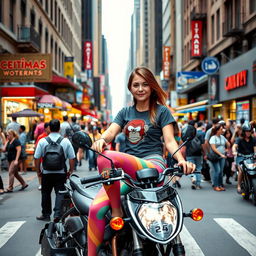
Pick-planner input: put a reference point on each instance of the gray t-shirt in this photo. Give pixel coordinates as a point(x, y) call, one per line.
point(220, 142)
point(120, 138)
point(142, 137)
point(65, 143)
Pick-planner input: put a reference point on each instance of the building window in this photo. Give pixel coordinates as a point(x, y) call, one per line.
point(213, 30)
point(23, 11)
point(32, 18)
point(218, 25)
point(11, 17)
point(51, 13)
point(46, 38)
point(47, 6)
point(1, 9)
point(56, 57)
point(56, 14)
point(252, 6)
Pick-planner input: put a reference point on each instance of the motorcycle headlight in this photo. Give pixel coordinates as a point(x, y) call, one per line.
point(159, 219)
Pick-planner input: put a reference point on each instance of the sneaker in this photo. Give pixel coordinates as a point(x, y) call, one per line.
point(193, 186)
point(198, 187)
point(43, 218)
point(39, 187)
point(228, 182)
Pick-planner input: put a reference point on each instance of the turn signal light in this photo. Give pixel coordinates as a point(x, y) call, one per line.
point(197, 214)
point(116, 223)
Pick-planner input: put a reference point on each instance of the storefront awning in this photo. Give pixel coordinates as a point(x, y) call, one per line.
point(49, 101)
point(22, 91)
point(193, 107)
point(63, 81)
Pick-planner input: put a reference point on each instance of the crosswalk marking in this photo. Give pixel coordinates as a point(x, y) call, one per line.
point(39, 253)
point(190, 244)
point(8, 230)
point(241, 235)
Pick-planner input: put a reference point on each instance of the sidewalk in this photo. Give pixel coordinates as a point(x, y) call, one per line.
point(81, 171)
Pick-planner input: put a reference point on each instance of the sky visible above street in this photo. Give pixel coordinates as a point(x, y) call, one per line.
point(116, 23)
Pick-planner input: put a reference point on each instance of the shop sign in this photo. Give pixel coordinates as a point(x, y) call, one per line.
point(79, 97)
point(88, 55)
point(166, 62)
point(196, 47)
point(187, 78)
point(25, 67)
point(210, 65)
point(45, 105)
point(235, 81)
point(69, 67)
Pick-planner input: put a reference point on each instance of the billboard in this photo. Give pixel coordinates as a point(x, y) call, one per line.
point(69, 67)
point(88, 55)
point(187, 78)
point(196, 43)
point(25, 67)
point(166, 62)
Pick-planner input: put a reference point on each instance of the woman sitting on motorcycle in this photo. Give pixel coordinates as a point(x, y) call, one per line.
point(245, 145)
point(144, 124)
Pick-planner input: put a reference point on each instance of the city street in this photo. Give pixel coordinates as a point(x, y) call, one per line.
point(228, 227)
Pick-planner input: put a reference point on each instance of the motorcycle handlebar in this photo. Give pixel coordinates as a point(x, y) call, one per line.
point(91, 179)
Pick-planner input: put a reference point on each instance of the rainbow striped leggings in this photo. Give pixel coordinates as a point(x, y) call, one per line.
point(109, 195)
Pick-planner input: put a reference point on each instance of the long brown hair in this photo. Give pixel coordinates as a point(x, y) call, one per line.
point(158, 95)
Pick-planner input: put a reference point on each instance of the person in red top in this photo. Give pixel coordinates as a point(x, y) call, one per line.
point(39, 128)
point(42, 135)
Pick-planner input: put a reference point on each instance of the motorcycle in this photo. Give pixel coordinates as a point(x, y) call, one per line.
point(248, 184)
point(153, 214)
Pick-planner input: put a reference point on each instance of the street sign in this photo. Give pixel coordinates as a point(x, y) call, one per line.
point(210, 65)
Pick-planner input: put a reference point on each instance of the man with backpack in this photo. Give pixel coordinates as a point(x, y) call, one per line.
point(54, 150)
point(194, 154)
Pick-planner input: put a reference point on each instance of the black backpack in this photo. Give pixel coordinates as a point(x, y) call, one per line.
point(54, 157)
point(195, 145)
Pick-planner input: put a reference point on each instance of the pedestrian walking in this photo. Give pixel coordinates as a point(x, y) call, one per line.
point(39, 128)
point(73, 127)
point(2, 143)
point(13, 149)
point(94, 135)
point(194, 154)
point(13, 125)
point(218, 143)
point(120, 142)
point(55, 150)
point(43, 135)
point(23, 154)
point(64, 125)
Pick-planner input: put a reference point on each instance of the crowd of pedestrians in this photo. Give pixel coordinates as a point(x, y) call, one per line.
point(215, 152)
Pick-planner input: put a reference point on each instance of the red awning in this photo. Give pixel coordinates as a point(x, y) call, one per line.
point(22, 91)
point(86, 112)
point(63, 81)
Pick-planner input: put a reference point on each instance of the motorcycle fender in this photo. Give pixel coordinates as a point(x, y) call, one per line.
point(74, 224)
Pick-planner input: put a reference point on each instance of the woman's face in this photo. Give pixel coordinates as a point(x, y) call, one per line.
point(220, 131)
point(140, 89)
point(9, 135)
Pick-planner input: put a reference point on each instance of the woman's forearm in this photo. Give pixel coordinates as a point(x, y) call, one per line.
point(18, 153)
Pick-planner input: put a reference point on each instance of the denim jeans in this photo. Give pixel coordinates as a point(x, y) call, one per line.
point(198, 161)
point(92, 159)
point(218, 172)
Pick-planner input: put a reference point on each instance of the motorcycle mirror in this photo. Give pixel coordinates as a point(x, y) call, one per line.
point(188, 133)
point(81, 140)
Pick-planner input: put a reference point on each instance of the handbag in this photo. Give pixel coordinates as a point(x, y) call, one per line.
point(212, 156)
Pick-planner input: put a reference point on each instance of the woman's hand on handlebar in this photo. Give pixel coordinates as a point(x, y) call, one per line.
point(188, 167)
point(99, 145)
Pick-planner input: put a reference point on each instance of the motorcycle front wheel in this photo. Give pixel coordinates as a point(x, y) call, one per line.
point(254, 191)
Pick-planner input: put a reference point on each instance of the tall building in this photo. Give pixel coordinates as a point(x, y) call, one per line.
point(42, 27)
